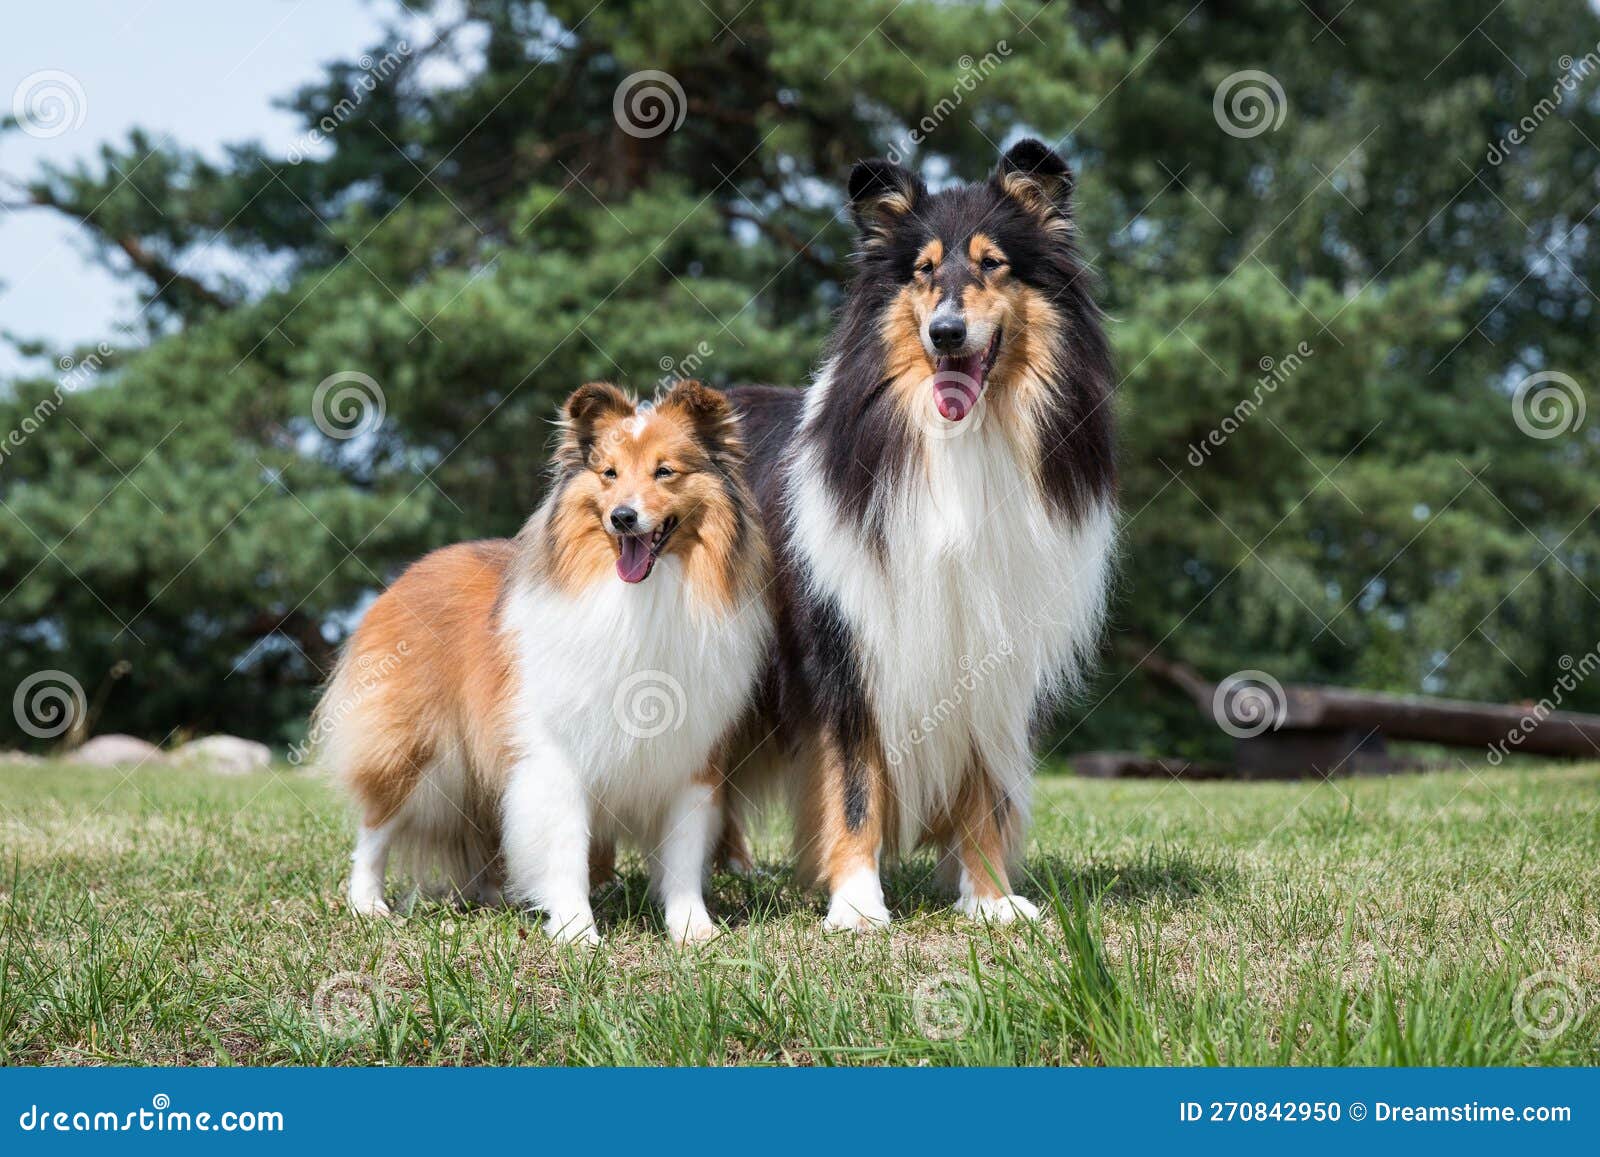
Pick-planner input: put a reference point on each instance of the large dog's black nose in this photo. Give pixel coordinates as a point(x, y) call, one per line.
point(948, 334)
point(625, 519)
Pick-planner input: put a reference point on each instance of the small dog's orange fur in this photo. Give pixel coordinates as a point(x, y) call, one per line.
point(429, 677)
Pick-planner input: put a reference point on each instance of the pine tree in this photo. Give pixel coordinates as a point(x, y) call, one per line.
point(1326, 263)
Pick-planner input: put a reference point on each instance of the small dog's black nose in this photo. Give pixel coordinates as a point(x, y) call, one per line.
point(625, 519)
point(948, 334)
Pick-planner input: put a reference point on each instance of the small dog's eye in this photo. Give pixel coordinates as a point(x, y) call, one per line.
point(664, 471)
point(608, 472)
point(925, 268)
point(990, 264)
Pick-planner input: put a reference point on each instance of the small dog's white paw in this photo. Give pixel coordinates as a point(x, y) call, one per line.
point(575, 929)
point(691, 927)
point(369, 904)
point(997, 909)
point(846, 916)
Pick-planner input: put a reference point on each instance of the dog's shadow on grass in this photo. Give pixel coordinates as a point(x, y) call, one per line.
point(773, 892)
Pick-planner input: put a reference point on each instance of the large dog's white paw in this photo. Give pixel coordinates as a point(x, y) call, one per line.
point(861, 914)
point(997, 909)
point(857, 904)
point(576, 928)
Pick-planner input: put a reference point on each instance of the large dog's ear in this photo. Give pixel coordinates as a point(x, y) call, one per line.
point(709, 412)
point(1034, 175)
point(583, 412)
point(881, 194)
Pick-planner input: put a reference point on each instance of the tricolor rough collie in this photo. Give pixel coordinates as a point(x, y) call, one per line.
point(572, 685)
point(940, 507)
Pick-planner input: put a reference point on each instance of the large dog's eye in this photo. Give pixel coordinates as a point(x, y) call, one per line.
point(608, 472)
point(665, 471)
point(925, 269)
point(990, 264)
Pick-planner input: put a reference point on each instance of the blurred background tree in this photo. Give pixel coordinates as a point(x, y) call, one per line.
point(1350, 241)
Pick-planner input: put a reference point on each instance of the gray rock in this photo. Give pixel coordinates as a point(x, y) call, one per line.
point(225, 755)
point(115, 751)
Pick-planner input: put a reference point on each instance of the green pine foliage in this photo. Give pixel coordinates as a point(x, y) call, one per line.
point(478, 237)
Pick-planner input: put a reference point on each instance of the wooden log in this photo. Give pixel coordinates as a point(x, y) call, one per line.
point(1535, 729)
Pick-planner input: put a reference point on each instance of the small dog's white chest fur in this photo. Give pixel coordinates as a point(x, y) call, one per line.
point(633, 684)
point(979, 601)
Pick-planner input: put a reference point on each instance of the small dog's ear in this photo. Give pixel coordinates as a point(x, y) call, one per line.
point(881, 194)
point(712, 416)
point(1034, 175)
point(588, 404)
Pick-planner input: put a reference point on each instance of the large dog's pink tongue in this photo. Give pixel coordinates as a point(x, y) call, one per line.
point(633, 566)
point(957, 382)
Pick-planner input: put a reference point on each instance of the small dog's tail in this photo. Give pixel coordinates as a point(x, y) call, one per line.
point(414, 789)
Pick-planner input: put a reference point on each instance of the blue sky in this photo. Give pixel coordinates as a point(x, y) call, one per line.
point(204, 71)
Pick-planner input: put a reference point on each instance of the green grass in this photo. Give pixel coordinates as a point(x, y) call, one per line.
point(169, 917)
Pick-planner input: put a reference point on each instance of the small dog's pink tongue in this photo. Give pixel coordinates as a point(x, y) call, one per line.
point(957, 382)
point(634, 564)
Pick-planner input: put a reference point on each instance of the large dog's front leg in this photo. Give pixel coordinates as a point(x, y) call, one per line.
point(982, 832)
point(851, 836)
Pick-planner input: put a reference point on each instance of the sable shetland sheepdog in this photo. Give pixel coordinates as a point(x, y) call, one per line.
point(572, 685)
point(940, 508)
